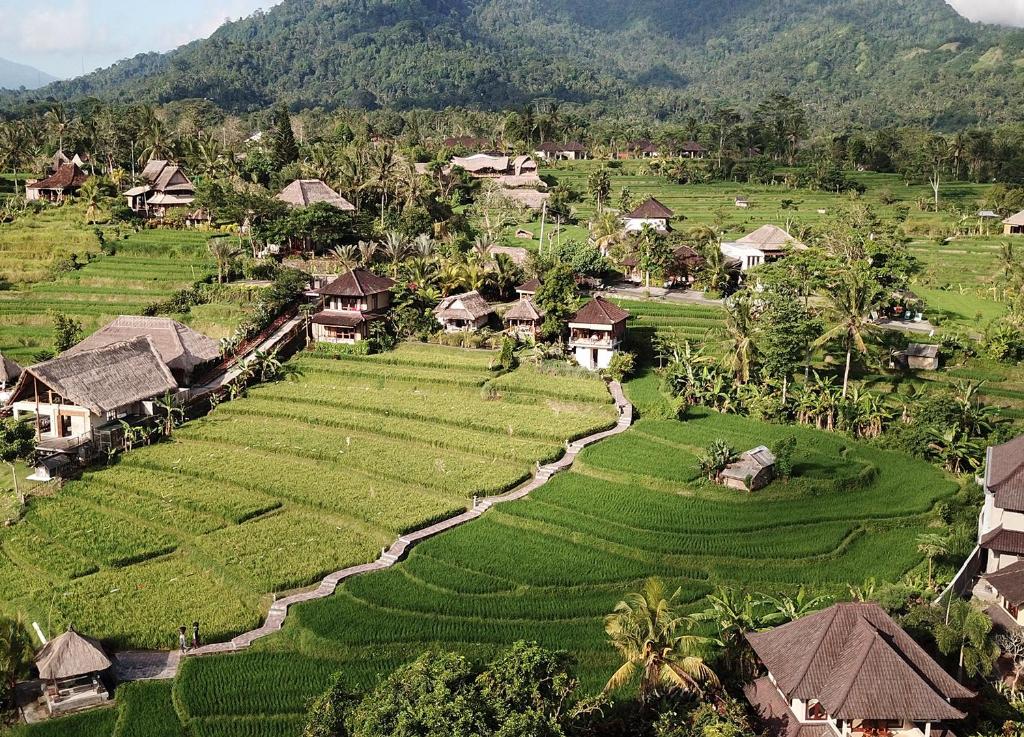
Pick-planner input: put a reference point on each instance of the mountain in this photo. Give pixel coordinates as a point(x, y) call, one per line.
point(15, 76)
point(870, 62)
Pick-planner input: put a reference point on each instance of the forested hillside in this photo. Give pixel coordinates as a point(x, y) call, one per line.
point(871, 62)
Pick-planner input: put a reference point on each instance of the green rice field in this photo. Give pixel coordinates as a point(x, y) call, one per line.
point(146, 268)
point(350, 456)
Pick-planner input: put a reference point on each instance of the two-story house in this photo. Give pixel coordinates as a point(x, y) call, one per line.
point(596, 332)
point(351, 303)
point(850, 670)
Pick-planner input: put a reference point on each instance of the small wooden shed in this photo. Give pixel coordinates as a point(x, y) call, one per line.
point(754, 470)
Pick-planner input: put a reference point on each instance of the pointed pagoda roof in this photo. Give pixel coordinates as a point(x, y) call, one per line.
point(859, 664)
point(599, 311)
point(652, 209)
point(69, 656)
point(357, 283)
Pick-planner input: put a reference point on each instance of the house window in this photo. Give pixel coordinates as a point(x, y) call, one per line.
point(816, 712)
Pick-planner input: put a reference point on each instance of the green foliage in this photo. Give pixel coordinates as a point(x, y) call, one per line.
point(284, 148)
point(67, 331)
point(329, 714)
point(622, 366)
point(15, 657)
point(785, 457)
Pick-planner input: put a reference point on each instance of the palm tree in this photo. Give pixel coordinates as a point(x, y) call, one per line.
point(59, 122)
point(367, 252)
point(850, 306)
point(173, 414)
point(395, 247)
point(223, 251)
point(932, 545)
point(967, 632)
point(736, 614)
point(15, 654)
point(605, 231)
point(739, 326)
point(656, 643)
point(347, 256)
point(788, 608)
point(89, 193)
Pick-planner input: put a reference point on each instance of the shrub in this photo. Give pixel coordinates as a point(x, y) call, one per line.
point(622, 365)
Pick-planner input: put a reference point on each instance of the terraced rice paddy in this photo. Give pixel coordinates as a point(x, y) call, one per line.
point(958, 280)
point(548, 568)
point(30, 244)
point(349, 457)
point(147, 268)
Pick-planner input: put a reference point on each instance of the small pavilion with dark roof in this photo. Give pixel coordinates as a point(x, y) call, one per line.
point(71, 667)
point(850, 670)
point(350, 303)
point(65, 182)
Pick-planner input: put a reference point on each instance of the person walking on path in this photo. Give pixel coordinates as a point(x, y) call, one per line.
point(195, 635)
point(182, 641)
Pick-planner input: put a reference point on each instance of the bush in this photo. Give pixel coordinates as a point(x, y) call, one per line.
point(785, 454)
point(622, 365)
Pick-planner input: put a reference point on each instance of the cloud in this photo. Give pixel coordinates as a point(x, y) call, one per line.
point(1006, 12)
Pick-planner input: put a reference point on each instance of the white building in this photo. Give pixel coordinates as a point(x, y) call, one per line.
point(596, 333)
point(766, 244)
point(1001, 529)
point(651, 213)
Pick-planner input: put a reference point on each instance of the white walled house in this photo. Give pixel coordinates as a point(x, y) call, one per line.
point(596, 333)
point(850, 670)
point(351, 303)
point(766, 244)
point(572, 151)
point(1001, 529)
point(651, 213)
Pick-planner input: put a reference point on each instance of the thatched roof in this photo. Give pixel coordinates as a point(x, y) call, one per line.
point(530, 198)
point(153, 168)
point(518, 256)
point(69, 656)
point(599, 311)
point(692, 147)
point(859, 664)
point(1017, 219)
point(102, 380)
point(357, 283)
point(68, 176)
point(524, 309)
point(770, 238)
point(651, 210)
point(179, 346)
point(469, 306)
point(306, 192)
point(9, 370)
point(481, 162)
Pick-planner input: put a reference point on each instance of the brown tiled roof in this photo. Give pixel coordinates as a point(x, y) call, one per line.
point(1009, 582)
point(859, 664)
point(104, 379)
point(179, 346)
point(341, 319)
point(68, 176)
point(524, 309)
point(1004, 474)
point(687, 256)
point(1004, 541)
point(599, 311)
point(357, 283)
point(651, 210)
point(692, 146)
point(530, 286)
point(776, 717)
point(473, 307)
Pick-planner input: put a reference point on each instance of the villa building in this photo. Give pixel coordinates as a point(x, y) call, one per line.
point(468, 311)
point(1001, 529)
point(651, 213)
point(693, 150)
point(766, 244)
point(850, 670)
point(1014, 225)
point(166, 189)
point(351, 303)
point(596, 333)
point(524, 318)
point(65, 182)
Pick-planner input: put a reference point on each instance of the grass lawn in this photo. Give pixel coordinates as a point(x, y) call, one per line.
point(146, 268)
point(349, 457)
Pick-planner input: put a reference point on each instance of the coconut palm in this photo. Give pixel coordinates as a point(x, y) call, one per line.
point(932, 545)
point(347, 256)
point(15, 655)
point(967, 631)
point(739, 327)
point(91, 196)
point(59, 122)
point(605, 231)
point(851, 302)
point(656, 643)
point(736, 614)
point(223, 251)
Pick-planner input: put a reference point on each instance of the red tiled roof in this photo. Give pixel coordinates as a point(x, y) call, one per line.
point(599, 311)
point(1004, 474)
point(357, 283)
point(68, 176)
point(859, 664)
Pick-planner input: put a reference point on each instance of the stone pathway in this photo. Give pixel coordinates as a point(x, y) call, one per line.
point(146, 665)
point(279, 610)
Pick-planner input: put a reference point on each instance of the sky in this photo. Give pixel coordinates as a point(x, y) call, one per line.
point(67, 37)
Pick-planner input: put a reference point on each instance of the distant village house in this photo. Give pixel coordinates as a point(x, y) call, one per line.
point(468, 311)
point(572, 151)
point(166, 189)
point(596, 332)
point(765, 245)
point(651, 213)
point(753, 471)
point(65, 183)
point(351, 303)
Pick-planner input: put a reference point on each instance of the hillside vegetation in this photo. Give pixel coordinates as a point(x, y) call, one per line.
point(866, 61)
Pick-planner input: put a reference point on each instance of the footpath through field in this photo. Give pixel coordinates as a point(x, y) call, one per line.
point(142, 665)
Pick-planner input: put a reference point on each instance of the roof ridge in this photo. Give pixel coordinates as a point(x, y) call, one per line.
point(866, 650)
point(802, 673)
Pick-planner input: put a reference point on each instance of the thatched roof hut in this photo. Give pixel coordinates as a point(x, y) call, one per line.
point(469, 306)
point(306, 192)
point(9, 371)
point(69, 656)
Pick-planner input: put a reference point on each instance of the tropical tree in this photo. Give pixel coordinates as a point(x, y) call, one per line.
point(850, 303)
point(173, 414)
point(17, 443)
point(736, 614)
point(657, 644)
point(15, 656)
point(739, 327)
point(967, 631)
point(91, 196)
point(224, 251)
point(717, 456)
point(932, 545)
point(956, 449)
point(786, 608)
